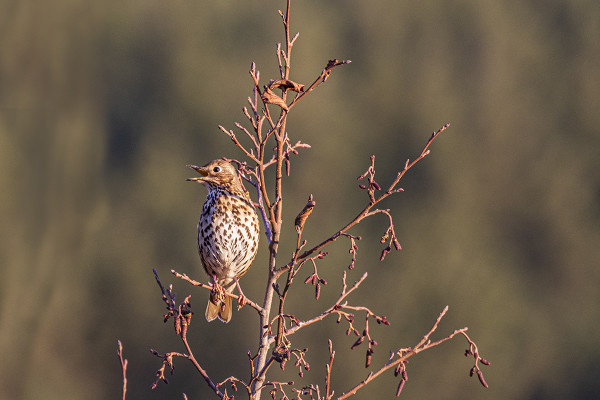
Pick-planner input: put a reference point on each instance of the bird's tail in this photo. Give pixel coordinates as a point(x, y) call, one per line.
point(219, 305)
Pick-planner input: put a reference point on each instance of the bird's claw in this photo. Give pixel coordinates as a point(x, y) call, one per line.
point(242, 301)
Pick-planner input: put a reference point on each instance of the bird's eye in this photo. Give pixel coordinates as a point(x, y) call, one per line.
point(217, 169)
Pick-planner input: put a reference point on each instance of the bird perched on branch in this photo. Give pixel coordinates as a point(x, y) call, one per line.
point(228, 233)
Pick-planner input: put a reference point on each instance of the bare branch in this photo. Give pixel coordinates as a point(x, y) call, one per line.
point(373, 201)
point(328, 394)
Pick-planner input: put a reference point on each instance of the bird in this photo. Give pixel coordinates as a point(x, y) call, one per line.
point(228, 233)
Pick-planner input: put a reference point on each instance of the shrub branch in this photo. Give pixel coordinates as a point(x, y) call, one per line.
point(265, 143)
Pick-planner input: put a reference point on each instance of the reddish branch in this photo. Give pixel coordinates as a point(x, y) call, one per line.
point(425, 344)
point(373, 199)
point(123, 367)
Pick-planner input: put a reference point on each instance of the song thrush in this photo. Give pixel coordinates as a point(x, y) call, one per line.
point(228, 233)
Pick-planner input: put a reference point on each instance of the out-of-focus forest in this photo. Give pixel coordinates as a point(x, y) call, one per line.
point(102, 104)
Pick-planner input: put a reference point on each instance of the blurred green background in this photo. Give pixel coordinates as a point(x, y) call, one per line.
point(103, 103)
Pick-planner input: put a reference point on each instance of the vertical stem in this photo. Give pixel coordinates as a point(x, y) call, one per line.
point(288, 45)
point(263, 351)
point(276, 224)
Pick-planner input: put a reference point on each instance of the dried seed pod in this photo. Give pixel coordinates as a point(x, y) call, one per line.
point(400, 387)
point(358, 342)
point(481, 379)
point(384, 253)
point(306, 211)
point(287, 165)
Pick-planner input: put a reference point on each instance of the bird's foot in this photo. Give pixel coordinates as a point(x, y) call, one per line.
point(217, 293)
point(242, 299)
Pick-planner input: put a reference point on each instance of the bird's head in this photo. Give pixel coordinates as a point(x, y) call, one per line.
point(217, 174)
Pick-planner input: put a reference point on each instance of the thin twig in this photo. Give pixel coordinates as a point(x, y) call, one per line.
point(365, 211)
point(123, 367)
point(329, 366)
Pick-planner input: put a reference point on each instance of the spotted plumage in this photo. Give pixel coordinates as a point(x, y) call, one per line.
point(228, 232)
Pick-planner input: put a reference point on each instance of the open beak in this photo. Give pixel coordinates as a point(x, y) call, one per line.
point(200, 170)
